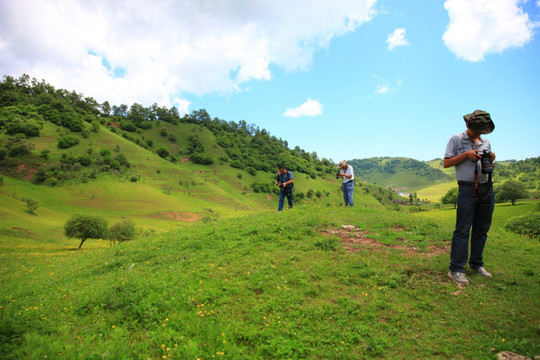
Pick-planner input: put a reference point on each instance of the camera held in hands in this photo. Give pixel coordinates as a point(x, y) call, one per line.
point(485, 161)
point(337, 174)
point(286, 190)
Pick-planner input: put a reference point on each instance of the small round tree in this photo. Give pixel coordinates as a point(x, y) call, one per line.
point(123, 231)
point(162, 152)
point(85, 227)
point(512, 190)
point(31, 206)
point(450, 197)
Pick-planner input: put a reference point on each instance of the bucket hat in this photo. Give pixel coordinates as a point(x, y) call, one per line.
point(479, 121)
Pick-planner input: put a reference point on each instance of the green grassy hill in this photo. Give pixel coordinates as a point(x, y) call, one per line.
point(438, 164)
point(163, 171)
point(215, 271)
point(315, 282)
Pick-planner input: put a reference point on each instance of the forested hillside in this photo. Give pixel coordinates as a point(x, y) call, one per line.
point(29, 107)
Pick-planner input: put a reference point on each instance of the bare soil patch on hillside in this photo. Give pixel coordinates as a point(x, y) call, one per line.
point(354, 239)
point(177, 215)
point(21, 229)
point(26, 172)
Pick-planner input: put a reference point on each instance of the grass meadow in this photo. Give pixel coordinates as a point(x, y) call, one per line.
point(314, 282)
point(434, 193)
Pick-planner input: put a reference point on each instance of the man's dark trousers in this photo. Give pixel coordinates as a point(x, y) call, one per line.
point(475, 213)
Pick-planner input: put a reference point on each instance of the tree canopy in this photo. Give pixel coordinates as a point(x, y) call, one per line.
point(512, 190)
point(450, 197)
point(85, 227)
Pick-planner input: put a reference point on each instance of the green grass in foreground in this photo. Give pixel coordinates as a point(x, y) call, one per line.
point(287, 285)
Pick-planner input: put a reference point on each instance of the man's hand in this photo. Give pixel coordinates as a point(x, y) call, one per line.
point(472, 154)
point(453, 161)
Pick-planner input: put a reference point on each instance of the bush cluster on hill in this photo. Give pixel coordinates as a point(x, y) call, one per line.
point(526, 225)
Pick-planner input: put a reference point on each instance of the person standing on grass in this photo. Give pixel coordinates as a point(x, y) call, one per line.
point(347, 187)
point(285, 180)
point(476, 200)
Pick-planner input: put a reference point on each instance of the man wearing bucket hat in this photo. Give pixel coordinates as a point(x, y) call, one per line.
point(468, 152)
point(347, 174)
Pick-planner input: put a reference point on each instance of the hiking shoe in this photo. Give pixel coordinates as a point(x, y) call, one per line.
point(482, 271)
point(458, 277)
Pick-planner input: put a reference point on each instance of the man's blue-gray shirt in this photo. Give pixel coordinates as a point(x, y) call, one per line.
point(461, 143)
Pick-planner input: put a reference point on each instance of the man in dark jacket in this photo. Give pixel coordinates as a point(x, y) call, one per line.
point(284, 179)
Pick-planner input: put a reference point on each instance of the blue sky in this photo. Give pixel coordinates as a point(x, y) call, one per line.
point(346, 79)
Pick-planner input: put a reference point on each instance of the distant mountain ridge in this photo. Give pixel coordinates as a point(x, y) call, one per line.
point(401, 172)
point(397, 172)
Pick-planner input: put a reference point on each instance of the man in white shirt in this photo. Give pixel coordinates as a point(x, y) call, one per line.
point(347, 174)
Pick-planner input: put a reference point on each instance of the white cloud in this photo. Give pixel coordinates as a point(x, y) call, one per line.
point(309, 108)
point(480, 27)
point(384, 87)
point(143, 51)
point(397, 38)
point(182, 105)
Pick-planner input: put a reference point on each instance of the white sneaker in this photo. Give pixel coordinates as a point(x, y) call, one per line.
point(482, 271)
point(458, 277)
